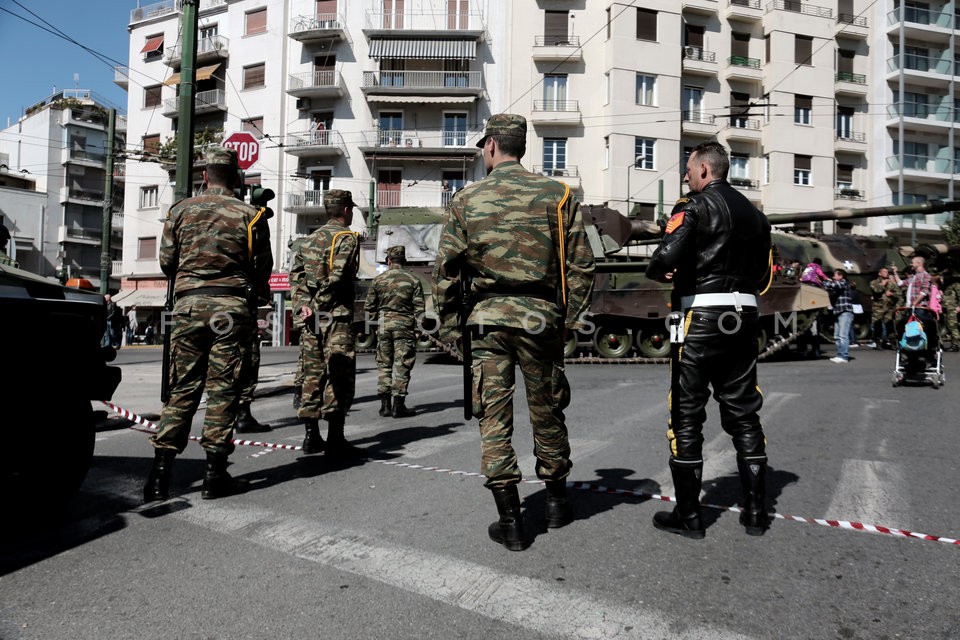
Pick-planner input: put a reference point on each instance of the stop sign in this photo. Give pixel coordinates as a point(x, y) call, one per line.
point(246, 146)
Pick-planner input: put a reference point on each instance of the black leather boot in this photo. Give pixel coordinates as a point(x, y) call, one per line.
point(558, 511)
point(217, 483)
point(400, 409)
point(508, 530)
point(246, 423)
point(753, 481)
point(337, 445)
point(386, 410)
point(158, 482)
point(684, 520)
point(312, 441)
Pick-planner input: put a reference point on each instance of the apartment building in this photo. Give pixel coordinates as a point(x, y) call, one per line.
point(387, 97)
point(60, 144)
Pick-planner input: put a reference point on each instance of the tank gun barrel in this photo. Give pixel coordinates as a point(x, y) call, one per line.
point(931, 206)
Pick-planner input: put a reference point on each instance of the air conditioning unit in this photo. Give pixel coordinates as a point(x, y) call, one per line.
point(691, 52)
point(303, 104)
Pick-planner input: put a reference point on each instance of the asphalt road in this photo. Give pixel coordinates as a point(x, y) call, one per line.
point(394, 545)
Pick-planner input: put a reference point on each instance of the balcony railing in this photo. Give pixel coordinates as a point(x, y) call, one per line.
point(402, 21)
point(170, 6)
point(745, 183)
point(203, 101)
point(698, 117)
point(116, 220)
point(847, 193)
point(116, 267)
point(218, 45)
point(556, 41)
point(741, 61)
point(940, 113)
point(553, 171)
point(390, 198)
point(419, 138)
point(310, 198)
point(847, 76)
point(691, 52)
point(121, 75)
point(324, 79)
point(79, 193)
point(119, 170)
point(301, 142)
point(916, 62)
point(740, 122)
point(852, 19)
point(800, 7)
point(556, 105)
point(851, 136)
point(423, 79)
point(923, 164)
point(83, 154)
point(920, 15)
point(750, 4)
point(318, 22)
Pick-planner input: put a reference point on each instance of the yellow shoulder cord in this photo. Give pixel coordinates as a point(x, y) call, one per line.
point(563, 251)
point(333, 245)
point(250, 232)
point(770, 269)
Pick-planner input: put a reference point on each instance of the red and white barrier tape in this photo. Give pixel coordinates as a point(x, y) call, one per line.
point(582, 486)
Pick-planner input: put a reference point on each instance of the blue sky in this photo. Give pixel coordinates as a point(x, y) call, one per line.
point(34, 61)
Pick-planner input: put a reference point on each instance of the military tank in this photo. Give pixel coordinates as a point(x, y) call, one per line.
point(54, 365)
point(628, 310)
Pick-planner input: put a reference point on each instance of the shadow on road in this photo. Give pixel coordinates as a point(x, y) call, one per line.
point(725, 490)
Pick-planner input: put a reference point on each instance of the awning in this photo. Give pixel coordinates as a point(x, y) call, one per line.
point(203, 73)
point(423, 49)
point(153, 44)
point(141, 297)
point(423, 99)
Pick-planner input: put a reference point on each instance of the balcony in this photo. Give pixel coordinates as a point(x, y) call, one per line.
point(698, 123)
point(696, 61)
point(121, 76)
point(79, 195)
point(159, 9)
point(429, 83)
point(569, 175)
point(116, 267)
point(315, 144)
point(852, 26)
point(743, 68)
point(119, 171)
point(852, 84)
point(556, 112)
point(700, 7)
point(557, 49)
point(212, 49)
point(324, 27)
point(305, 203)
point(116, 221)
point(83, 157)
point(851, 141)
point(796, 6)
point(429, 197)
point(744, 10)
point(467, 24)
point(435, 145)
point(847, 193)
point(923, 71)
point(920, 168)
point(745, 184)
point(921, 24)
point(316, 84)
point(80, 235)
point(923, 117)
point(204, 102)
point(120, 123)
point(740, 128)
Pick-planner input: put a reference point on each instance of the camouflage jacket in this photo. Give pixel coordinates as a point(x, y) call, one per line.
point(7, 260)
point(324, 271)
point(398, 295)
point(503, 233)
point(879, 290)
point(215, 239)
point(951, 298)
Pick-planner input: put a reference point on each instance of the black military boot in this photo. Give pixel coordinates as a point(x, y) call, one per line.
point(158, 482)
point(312, 441)
point(217, 483)
point(558, 511)
point(386, 409)
point(753, 481)
point(246, 423)
point(508, 530)
point(297, 395)
point(337, 445)
point(685, 517)
point(400, 409)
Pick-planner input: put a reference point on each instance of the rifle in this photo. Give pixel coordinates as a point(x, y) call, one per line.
point(165, 319)
point(466, 305)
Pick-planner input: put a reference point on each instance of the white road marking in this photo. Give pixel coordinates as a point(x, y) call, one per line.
point(870, 491)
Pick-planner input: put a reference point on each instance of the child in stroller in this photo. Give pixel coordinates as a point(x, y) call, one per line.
point(919, 357)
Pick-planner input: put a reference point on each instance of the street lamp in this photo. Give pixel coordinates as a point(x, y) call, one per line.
point(636, 162)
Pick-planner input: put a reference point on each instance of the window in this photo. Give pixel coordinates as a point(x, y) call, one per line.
point(153, 48)
point(606, 88)
point(739, 104)
point(766, 169)
point(609, 23)
point(646, 25)
point(740, 45)
point(766, 47)
point(256, 22)
point(151, 96)
point(915, 105)
point(802, 105)
point(691, 104)
point(845, 64)
point(915, 154)
point(803, 50)
point(801, 170)
point(254, 77)
point(845, 179)
point(151, 143)
point(643, 152)
point(645, 87)
point(606, 152)
point(555, 92)
point(253, 125)
point(454, 129)
point(554, 156)
point(391, 128)
point(208, 40)
point(844, 123)
point(458, 13)
point(147, 248)
point(148, 197)
point(739, 169)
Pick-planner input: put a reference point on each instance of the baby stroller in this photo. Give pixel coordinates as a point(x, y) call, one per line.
point(919, 356)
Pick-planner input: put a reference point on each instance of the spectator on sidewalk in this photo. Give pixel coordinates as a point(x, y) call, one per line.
point(842, 303)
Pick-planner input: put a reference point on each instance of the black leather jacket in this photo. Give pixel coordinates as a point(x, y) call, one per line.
point(717, 241)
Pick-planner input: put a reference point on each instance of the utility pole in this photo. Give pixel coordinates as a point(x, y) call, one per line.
point(188, 79)
point(107, 207)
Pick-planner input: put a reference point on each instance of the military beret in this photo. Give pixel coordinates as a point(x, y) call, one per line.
point(504, 124)
point(397, 253)
point(338, 198)
point(216, 154)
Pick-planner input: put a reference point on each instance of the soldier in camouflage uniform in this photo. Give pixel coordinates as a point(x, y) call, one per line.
point(519, 238)
point(250, 375)
point(885, 294)
point(324, 295)
point(951, 306)
point(296, 275)
point(395, 298)
point(217, 250)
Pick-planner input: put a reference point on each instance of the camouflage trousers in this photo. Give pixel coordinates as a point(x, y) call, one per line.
point(251, 370)
point(952, 329)
point(329, 369)
point(396, 355)
point(208, 344)
point(495, 356)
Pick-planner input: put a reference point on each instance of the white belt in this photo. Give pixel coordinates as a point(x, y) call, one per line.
point(735, 299)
